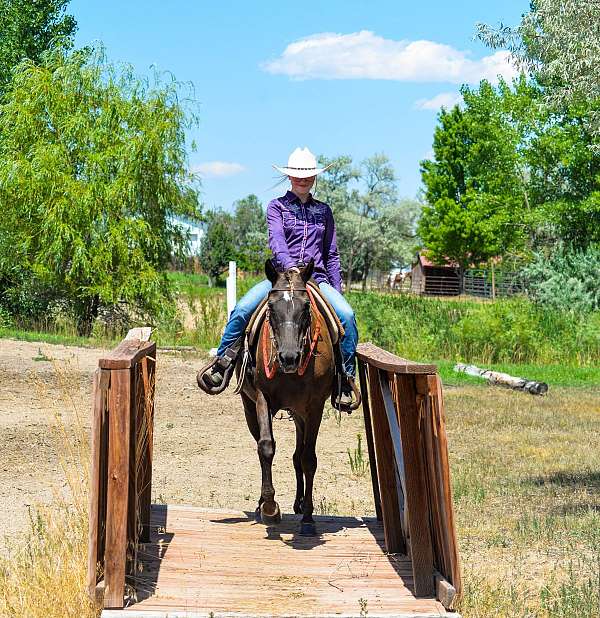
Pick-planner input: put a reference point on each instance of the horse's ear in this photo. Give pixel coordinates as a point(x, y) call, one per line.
point(307, 271)
point(270, 271)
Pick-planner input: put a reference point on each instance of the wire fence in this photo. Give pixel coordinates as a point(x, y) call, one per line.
point(480, 282)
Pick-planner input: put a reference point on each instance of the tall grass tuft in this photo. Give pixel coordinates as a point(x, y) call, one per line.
point(512, 330)
point(43, 573)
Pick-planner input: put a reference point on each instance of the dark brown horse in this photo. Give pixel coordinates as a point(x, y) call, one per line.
point(294, 370)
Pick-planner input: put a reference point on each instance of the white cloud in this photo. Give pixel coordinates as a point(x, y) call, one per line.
point(364, 55)
point(444, 99)
point(217, 169)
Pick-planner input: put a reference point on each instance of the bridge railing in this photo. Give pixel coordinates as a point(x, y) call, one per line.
point(406, 437)
point(121, 465)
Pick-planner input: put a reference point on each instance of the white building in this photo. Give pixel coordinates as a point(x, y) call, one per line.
point(195, 231)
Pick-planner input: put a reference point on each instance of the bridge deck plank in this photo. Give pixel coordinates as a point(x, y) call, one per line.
point(201, 561)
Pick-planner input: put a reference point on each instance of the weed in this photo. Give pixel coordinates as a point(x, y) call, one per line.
point(358, 464)
point(324, 506)
point(362, 603)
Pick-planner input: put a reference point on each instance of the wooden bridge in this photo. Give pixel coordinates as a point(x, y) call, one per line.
point(163, 561)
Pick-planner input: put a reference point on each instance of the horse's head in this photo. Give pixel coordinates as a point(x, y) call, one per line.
point(289, 313)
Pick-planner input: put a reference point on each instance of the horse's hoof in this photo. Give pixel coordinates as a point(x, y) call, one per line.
point(308, 528)
point(270, 513)
point(298, 507)
point(257, 515)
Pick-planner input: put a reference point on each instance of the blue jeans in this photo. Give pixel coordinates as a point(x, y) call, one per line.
point(245, 307)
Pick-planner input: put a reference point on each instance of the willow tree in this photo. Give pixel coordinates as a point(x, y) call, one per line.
point(93, 167)
point(558, 43)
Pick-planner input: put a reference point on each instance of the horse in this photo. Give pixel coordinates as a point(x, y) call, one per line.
point(294, 370)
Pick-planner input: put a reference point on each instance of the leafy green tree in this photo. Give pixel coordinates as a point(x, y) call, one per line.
point(558, 42)
point(564, 179)
point(249, 229)
point(29, 28)
point(218, 245)
point(475, 187)
point(374, 228)
point(92, 166)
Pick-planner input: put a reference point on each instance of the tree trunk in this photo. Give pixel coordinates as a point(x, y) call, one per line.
point(87, 312)
point(503, 379)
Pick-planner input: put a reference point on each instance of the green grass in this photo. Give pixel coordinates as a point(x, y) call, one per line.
point(56, 338)
point(507, 332)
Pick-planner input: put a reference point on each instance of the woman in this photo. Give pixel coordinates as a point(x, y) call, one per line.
point(300, 228)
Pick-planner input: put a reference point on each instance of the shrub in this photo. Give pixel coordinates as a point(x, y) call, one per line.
point(513, 330)
point(567, 279)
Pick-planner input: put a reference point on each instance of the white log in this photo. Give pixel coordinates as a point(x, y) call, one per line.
point(503, 379)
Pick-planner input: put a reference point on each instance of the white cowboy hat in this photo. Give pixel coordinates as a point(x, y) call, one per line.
point(301, 164)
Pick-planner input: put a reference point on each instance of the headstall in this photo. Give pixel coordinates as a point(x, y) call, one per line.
point(267, 340)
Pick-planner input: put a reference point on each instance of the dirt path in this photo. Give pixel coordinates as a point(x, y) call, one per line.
point(204, 454)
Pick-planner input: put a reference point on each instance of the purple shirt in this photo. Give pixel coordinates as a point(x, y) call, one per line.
point(298, 232)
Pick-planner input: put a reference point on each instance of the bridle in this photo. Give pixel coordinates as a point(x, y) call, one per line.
point(268, 346)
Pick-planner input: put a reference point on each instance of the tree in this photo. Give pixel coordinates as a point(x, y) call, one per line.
point(218, 245)
point(474, 186)
point(249, 229)
point(92, 166)
point(557, 42)
point(374, 228)
point(28, 29)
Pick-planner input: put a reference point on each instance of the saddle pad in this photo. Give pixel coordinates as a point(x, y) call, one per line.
point(336, 331)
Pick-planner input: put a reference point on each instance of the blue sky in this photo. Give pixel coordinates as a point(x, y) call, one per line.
point(341, 77)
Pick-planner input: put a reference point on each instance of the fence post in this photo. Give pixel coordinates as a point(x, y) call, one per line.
point(118, 487)
point(146, 412)
point(386, 470)
point(369, 434)
point(231, 285)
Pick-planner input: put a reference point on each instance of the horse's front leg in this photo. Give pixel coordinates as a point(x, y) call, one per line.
point(269, 509)
point(309, 467)
point(298, 464)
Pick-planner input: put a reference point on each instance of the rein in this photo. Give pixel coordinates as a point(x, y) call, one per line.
point(271, 370)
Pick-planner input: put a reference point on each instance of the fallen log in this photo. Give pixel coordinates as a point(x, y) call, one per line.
point(503, 379)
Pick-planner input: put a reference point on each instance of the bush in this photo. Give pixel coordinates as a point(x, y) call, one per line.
point(566, 279)
point(513, 330)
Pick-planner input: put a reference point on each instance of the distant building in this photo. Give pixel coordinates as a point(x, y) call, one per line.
point(195, 231)
point(435, 279)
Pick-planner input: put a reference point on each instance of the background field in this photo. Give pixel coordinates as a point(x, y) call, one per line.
point(524, 470)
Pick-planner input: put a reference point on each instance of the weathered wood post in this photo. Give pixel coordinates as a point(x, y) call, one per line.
point(121, 461)
point(403, 401)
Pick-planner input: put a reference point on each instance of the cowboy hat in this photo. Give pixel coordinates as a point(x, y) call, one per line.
point(301, 164)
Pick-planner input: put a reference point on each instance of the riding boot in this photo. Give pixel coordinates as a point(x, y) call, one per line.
point(214, 377)
point(346, 396)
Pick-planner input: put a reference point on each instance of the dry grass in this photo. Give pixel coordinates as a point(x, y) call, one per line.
point(43, 574)
point(526, 476)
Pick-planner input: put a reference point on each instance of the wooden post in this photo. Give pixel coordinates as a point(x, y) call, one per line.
point(384, 449)
point(445, 488)
point(118, 485)
point(416, 488)
point(493, 281)
point(146, 408)
point(94, 483)
point(369, 435)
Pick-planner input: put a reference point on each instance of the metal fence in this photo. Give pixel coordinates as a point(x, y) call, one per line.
point(480, 282)
point(487, 283)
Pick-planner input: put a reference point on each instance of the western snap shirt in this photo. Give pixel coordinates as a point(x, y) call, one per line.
point(299, 232)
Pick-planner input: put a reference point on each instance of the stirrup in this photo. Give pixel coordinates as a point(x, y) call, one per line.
point(226, 363)
point(337, 393)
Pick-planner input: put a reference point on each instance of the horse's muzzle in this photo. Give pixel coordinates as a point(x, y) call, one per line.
point(289, 361)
